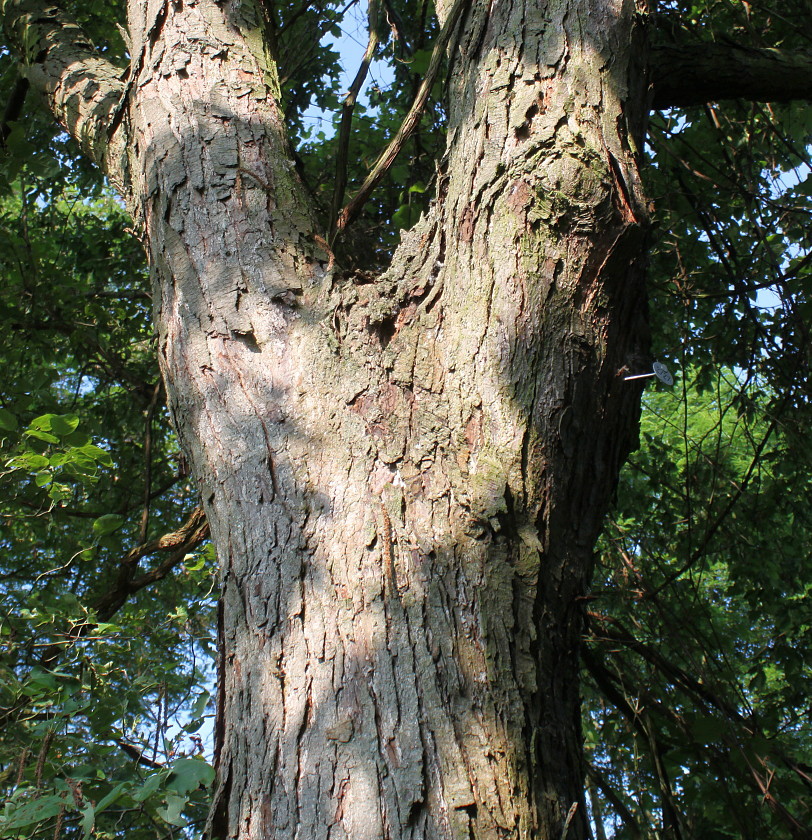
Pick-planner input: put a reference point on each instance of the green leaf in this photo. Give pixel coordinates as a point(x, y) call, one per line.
point(108, 523)
point(76, 438)
point(42, 423)
point(96, 453)
point(8, 422)
point(189, 774)
point(200, 704)
point(420, 62)
point(50, 427)
point(29, 461)
point(406, 216)
point(106, 627)
point(88, 819)
point(42, 808)
point(64, 424)
point(59, 492)
point(114, 794)
point(150, 786)
point(171, 811)
point(194, 562)
point(47, 437)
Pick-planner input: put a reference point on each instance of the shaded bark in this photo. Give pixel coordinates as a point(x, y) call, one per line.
point(697, 73)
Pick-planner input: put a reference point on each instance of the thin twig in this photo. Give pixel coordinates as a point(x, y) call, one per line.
point(797, 830)
point(142, 532)
point(60, 819)
point(568, 820)
point(641, 723)
point(615, 801)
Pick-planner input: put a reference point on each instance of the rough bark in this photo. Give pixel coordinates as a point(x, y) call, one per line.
point(404, 479)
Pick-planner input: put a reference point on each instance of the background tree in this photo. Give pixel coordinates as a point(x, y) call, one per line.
point(406, 468)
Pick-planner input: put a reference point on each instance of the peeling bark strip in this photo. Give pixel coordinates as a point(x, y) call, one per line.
point(404, 480)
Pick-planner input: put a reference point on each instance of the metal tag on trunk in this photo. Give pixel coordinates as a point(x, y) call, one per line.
point(661, 372)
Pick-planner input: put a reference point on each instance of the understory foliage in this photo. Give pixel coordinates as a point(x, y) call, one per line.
point(697, 677)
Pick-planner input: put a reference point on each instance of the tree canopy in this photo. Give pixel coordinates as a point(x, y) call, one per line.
point(696, 715)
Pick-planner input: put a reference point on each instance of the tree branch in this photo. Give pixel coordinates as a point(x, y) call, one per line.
point(137, 754)
point(346, 119)
point(615, 801)
point(187, 537)
point(698, 73)
point(640, 721)
point(746, 730)
point(177, 543)
point(699, 551)
point(409, 124)
point(83, 89)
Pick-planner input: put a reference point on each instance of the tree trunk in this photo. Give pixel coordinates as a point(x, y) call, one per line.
point(405, 478)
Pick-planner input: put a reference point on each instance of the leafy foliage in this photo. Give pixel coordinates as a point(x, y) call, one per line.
point(311, 74)
point(698, 682)
point(83, 445)
point(697, 672)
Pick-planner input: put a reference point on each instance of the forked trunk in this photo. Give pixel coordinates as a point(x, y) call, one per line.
point(404, 478)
